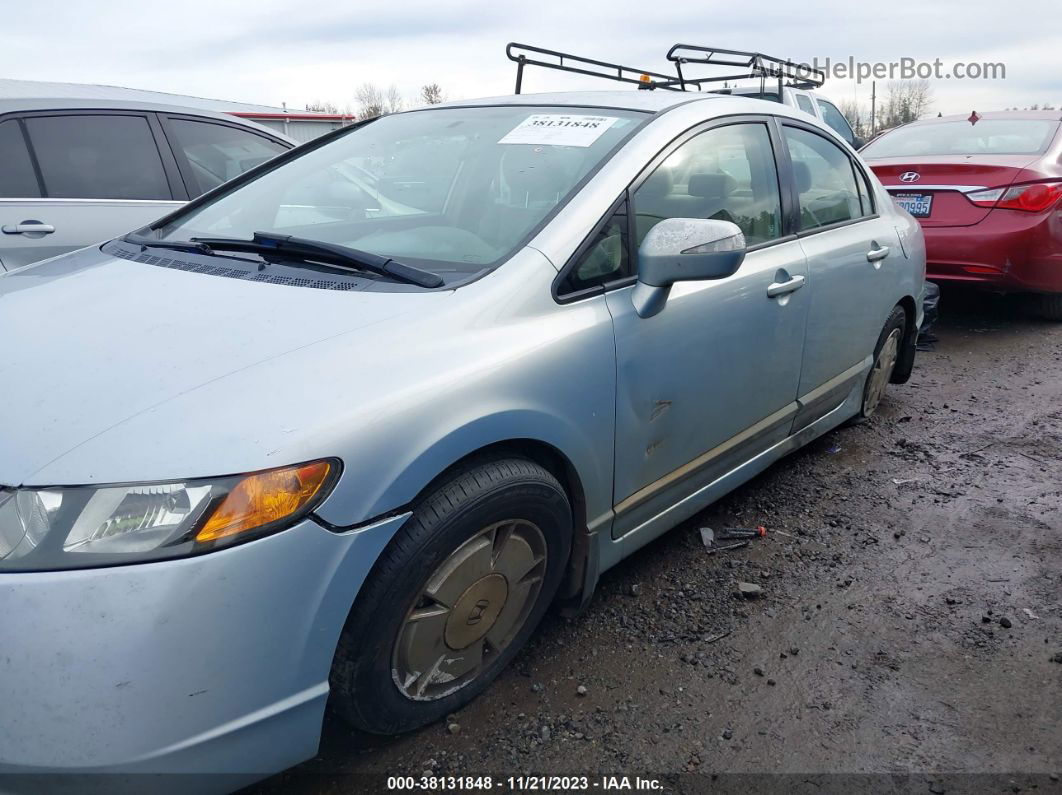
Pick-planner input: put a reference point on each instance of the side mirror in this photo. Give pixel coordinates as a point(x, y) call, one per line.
point(684, 249)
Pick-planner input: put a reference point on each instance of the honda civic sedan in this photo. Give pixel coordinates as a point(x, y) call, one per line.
point(987, 190)
point(294, 445)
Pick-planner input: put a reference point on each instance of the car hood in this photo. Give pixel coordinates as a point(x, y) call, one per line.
point(92, 341)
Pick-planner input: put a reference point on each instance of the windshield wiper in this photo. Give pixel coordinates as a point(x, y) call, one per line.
point(330, 253)
point(174, 245)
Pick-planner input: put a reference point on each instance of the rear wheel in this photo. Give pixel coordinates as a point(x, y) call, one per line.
point(886, 353)
point(1048, 306)
point(454, 597)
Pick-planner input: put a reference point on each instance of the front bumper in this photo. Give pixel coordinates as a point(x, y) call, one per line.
point(215, 665)
point(1009, 251)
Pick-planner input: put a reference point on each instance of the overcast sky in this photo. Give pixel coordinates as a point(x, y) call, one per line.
point(274, 51)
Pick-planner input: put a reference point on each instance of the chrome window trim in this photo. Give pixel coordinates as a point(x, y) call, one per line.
point(914, 186)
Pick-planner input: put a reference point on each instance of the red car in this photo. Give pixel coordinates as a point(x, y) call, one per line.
point(987, 190)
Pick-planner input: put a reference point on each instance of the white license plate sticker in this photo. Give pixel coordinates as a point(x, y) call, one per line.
point(556, 129)
point(917, 204)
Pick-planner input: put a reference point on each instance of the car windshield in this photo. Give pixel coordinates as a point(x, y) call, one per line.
point(986, 137)
point(445, 189)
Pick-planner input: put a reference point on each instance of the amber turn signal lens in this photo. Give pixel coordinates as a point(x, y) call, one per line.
point(264, 498)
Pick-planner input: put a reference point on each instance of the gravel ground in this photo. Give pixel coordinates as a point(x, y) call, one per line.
point(910, 620)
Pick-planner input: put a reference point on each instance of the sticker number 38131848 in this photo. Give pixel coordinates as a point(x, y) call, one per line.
point(555, 129)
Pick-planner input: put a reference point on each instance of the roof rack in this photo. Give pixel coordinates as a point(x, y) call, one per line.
point(755, 64)
point(565, 62)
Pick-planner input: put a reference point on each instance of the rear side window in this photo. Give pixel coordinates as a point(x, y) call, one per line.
point(98, 157)
point(216, 152)
point(804, 103)
point(17, 179)
point(825, 182)
point(836, 120)
point(863, 187)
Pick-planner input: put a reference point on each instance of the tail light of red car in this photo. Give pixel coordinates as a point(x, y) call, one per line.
point(1033, 197)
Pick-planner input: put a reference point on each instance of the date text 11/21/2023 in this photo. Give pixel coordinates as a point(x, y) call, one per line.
point(522, 783)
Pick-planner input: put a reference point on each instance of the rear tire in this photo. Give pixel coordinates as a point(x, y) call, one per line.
point(1047, 306)
point(886, 353)
point(453, 597)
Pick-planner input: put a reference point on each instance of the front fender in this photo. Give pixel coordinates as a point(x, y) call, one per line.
point(403, 476)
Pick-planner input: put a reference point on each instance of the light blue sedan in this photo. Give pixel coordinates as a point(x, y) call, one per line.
point(310, 439)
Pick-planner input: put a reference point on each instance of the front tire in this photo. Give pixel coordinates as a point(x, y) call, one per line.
point(886, 353)
point(454, 597)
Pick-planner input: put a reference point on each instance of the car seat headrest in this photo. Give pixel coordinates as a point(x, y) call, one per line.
point(659, 184)
point(802, 175)
point(712, 185)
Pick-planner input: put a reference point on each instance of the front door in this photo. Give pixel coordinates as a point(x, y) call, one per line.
point(77, 179)
point(712, 379)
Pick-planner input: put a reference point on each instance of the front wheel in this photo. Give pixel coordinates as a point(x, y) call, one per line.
point(886, 353)
point(454, 597)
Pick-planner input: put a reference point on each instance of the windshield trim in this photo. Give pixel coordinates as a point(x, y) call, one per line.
point(436, 267)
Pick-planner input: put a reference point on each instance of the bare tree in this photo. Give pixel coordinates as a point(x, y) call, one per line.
point(906, 101)
point(431, 94)
point(321, 106)
point(394, 101)
point(370, 101)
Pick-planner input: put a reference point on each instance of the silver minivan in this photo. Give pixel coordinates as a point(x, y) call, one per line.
point(341, 430)
point(74, 172)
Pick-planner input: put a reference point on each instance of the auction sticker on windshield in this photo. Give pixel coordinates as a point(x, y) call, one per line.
point(559, 129)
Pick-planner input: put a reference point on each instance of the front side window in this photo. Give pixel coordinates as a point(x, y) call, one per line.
point(726, 173)
point(83, 156)
point(836, 120)
point(17, 179)
point(825, 183)
point(216, 153)
point(454, 189)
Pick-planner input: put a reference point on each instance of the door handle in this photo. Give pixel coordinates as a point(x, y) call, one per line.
point(28, 226)
point(877, 253)
point(781, 288)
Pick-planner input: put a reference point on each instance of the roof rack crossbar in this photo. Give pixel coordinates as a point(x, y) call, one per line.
point(794, 75)
point(519, 54)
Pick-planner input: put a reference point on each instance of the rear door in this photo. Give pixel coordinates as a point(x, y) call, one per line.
point(852, 255)
point(99, 175)
point(210, 152)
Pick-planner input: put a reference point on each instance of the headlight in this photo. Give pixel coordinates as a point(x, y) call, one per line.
point(78, 527)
